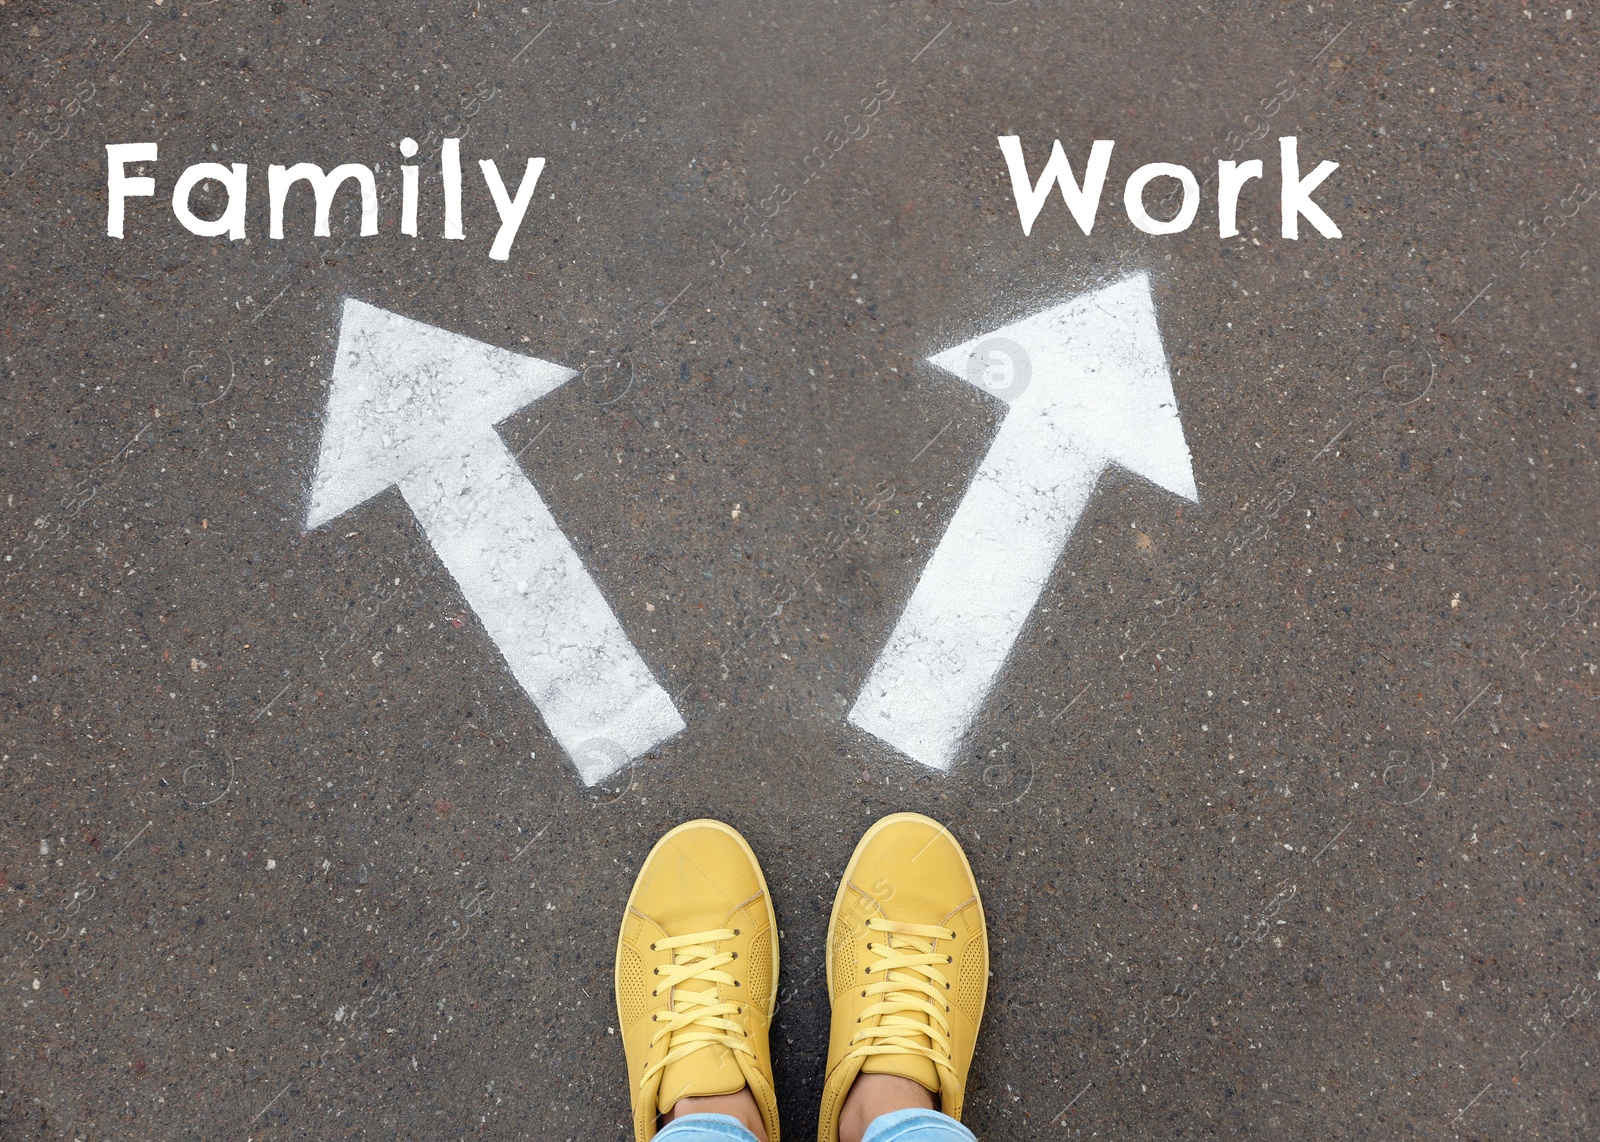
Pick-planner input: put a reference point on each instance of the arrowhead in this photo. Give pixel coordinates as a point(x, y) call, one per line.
point(406, 394)
point(1095, 369)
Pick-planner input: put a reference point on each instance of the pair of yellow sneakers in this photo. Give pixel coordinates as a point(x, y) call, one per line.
point(697, 969)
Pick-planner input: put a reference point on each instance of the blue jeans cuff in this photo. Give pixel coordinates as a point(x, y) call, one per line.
point(705, 1128)
point(901, 1126)
point(917, 1126)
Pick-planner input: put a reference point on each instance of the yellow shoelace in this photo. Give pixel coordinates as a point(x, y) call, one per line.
point(915, 1006)
point(698, 1017)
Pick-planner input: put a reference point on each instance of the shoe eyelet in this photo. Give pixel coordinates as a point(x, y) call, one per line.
point(736, 983)
point(652, 947)
point(947, 987)
point(949, 959)
point(735, 955)
point(736, 931)
point(863, 993)
point(653, 994)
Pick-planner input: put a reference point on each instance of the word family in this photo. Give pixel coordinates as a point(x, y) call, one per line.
point(121, 186)
point(1083, 201)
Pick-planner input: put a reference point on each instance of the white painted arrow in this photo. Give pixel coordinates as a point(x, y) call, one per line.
point(1088, 387)
point(415, 406)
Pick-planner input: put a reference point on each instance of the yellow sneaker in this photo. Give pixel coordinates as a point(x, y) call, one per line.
point(696, 962)
point(908, 965)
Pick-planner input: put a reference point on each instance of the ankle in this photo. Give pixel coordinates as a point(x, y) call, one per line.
point(741, 1104)
point(874, 1095)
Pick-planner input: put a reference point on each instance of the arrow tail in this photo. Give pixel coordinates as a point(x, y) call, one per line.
point(529, 588)
point(976, 592)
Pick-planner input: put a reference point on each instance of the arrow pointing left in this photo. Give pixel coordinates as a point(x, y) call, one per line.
point(415, 406)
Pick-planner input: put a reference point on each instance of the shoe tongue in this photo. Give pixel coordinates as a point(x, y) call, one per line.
point(908, 1066)
point(913, 1067)
point(711, 1070)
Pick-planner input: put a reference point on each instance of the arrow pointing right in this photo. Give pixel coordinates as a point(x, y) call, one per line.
point(416, 406)
point(1088, 387)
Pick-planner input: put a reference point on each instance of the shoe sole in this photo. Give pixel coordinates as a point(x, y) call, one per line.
point(849, 869)
point(761, 878)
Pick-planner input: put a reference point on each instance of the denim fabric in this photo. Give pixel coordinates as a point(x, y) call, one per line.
point(901, 1126)
point(917, 1126)
point(704, 1128)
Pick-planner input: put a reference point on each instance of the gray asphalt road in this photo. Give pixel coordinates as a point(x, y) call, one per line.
point(1283, 803)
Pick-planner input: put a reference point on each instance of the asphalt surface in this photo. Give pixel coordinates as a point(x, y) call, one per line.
point(1284, 805)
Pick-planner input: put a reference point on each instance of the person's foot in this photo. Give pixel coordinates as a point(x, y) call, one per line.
point(908, 972)
point(696, 962)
